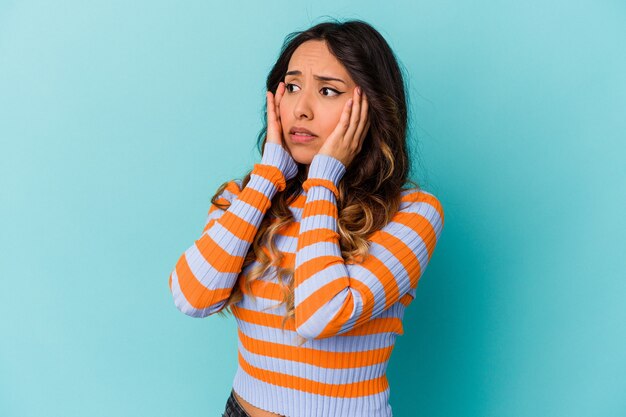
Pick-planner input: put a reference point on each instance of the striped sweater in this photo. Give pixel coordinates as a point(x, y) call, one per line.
point(350, 313)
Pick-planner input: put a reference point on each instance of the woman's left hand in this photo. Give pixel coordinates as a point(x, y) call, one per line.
point(345, 142)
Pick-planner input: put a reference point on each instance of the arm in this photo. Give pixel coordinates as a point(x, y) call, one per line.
point(332, 297)
point(205, 274)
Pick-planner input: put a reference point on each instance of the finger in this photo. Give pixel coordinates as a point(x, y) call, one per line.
point(365, 130)
point(280, 91)
point(273, 132)
point(270, 105)
point(354, 120)
point(344, 121)
point(271, 110)
point(277, 97)
point(363, 121)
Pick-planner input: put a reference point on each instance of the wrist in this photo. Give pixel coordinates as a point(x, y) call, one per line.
point(277, 156)
point(326, 167)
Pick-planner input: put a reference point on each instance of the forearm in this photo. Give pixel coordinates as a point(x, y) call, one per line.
point(205, 274)
point(332, 297)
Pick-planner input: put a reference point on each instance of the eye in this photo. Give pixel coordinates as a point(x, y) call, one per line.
point(331, 89)
point(288, 88)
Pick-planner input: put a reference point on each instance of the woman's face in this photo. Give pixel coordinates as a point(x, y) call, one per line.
point(311, 102)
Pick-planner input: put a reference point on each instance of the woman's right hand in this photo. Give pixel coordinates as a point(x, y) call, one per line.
point(274, 128)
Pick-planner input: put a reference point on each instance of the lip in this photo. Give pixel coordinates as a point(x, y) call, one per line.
point(301, 135)
point(298, 129)
point(301, 139)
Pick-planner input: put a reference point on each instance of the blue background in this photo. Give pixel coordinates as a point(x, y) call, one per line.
point(119, 120)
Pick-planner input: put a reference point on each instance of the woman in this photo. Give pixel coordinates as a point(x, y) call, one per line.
point(318, 250)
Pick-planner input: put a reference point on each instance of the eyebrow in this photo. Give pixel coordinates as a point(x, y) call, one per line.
point(317, 77)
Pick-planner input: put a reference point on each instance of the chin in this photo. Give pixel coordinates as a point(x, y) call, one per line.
point(304, 160)
point(302, 156)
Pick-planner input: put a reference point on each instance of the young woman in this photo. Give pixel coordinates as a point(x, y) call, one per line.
point(319, 249)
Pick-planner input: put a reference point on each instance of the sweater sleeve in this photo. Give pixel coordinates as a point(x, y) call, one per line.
point(203, 278)
point(333, 297)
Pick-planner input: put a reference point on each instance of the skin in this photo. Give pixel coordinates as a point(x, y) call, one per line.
point(334, 111)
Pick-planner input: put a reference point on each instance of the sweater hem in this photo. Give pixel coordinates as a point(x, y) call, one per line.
point(294, 403)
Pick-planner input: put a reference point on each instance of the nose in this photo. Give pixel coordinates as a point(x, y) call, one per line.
point(303, 107)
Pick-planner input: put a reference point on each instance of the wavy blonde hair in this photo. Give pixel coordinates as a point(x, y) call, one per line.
point(370, 190)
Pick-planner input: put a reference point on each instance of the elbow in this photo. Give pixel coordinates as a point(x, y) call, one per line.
point(331, 319)
point(309, 329)
point(307, 333)
point(315, 329)
point(313, 333)
point(184, 307)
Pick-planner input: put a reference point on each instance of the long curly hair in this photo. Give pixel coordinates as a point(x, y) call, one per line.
point(370, 190)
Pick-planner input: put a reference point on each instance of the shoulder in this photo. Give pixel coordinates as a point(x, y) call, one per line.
point(421, 202)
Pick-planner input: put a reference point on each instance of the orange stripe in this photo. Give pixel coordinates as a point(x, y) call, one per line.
point(195, 293)
point(265, 289)
point(316, 357)
point(315, 236)
point(299, 202)
point(323, 207)
point(233, 187)
point(313, 182)
point(288, 261)
point(406, 299)
point(351, 390)
point(272, 174)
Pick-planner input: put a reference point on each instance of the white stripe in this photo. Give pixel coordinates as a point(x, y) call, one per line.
point(230, 243)
point(286, 243)
point(261, 184)
point(318, 221)
point(315, 250)
point(246, 212)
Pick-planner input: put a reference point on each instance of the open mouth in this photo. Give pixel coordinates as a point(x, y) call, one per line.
point(301, 135)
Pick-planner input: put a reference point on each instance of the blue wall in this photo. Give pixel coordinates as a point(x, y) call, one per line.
point(118, 120)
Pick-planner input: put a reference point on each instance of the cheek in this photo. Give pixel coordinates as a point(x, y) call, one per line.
point(331, 119)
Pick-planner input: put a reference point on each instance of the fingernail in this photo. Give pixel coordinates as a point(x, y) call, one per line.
point(358, 90)
point(350, 102)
